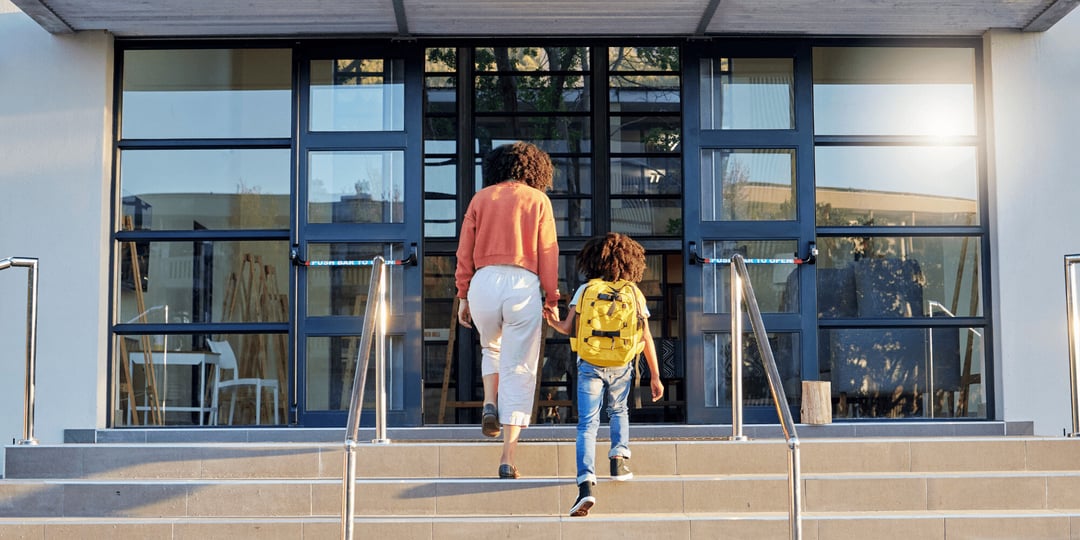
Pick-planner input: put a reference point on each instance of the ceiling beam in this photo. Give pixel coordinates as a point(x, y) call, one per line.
point(399, 14)
point(706, 17)
point(44, 16)
point(1051, 15)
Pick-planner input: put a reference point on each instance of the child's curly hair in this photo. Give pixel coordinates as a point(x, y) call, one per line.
point(520, 161)
point(612, 257)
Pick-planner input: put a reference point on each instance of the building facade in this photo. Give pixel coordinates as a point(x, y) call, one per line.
point(181, 193)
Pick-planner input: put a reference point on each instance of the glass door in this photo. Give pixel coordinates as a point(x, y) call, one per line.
point(358, 193)
point(749, 187)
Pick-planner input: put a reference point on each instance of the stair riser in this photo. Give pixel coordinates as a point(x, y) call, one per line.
point(593, 527)
point(535, 459)
point(663, 495)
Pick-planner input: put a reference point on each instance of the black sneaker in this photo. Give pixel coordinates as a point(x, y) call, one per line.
point(489, 423)
point(584, 501)
point(620, 471)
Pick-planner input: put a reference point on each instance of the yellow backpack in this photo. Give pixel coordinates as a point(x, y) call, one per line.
point(609, 326)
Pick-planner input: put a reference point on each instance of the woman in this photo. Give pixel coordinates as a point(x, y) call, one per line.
point(508, 253)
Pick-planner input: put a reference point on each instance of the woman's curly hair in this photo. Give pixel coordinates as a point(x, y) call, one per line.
point(519, 161)
point(612, 257)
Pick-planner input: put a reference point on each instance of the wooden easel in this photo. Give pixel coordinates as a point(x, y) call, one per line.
point(128, 224)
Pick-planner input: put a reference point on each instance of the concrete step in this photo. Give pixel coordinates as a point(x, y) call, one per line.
point(878, 526)
point(536, 459)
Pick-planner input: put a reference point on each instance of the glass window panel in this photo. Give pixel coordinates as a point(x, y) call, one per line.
point(776, 285)
point(747, 184)
point(440, 135)
point(205, 189)
point(644, 93)
point(167, 379)
point(573, 175)
point(343, 290)
point(440, 176)
point(440, 218)
point(440, 95)
point(356, 187)
point(357, 95)
point(206, 93)
point(203, 281)
point(553, 134)
point(643, 58)
point(755, 383)
point(647, 217)
point(894, 91)
point(532, 93)
point(573, 217)
point(330, 366)
point(659, 134)
point(646, 176)
point(440, 60)
point(747, 93)
point(532, 58)
point(883, 277)
point(896, 185)
point(904, 372)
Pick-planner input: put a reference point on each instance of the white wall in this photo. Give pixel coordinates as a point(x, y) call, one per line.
point(55, 141)
point(1034, 82)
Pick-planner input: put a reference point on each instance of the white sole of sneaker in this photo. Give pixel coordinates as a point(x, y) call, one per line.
point(582, 507)
point(623, 478)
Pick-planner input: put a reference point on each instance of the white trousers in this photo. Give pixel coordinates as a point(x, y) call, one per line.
point(507, 310)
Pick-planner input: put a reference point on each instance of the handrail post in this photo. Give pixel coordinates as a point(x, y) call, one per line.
point(736, 355)
point(380, 362)
point(31, 264)
point(352, 426)
point(1072, 282)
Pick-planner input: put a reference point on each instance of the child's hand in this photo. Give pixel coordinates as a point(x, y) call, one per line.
point(657, 388)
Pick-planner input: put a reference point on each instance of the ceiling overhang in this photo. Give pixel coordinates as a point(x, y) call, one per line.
point(441, 18)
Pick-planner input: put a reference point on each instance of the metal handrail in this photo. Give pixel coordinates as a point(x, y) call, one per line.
point(31, 341)
point(374, 312)
point(1072, 283)
point(740, 284)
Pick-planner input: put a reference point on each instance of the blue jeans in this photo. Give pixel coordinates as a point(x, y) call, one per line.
point(594, 383)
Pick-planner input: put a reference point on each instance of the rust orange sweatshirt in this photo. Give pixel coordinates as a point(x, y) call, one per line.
point(509, 223)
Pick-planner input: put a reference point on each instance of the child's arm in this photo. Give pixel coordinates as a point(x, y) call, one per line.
point(565, 325)
point(655, 384)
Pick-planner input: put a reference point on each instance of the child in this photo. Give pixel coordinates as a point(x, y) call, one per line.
point(612, 258)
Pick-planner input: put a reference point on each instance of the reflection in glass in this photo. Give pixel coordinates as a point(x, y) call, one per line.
point(643, 59)
point(177, 380)
point(747, 93)
point(532, 93)
point(343, 290)
point(747, 184)
point(658, 134)
point(646, 176)
point(647, 217)
point(330, 369)
point(896, 185)
point(573, 217)
point(775, 285)
point(894, 91)
point(356, 187)
point(206, 93)
point(904, 372)
point(553, 134)
point(439, 292)
point(573, 175)
point(532, 59)
point(205, 189)
point(440, 199)
point(876, 277)
point(357, 95)
point(755, 383)
point(644, 93)
point(204, 281)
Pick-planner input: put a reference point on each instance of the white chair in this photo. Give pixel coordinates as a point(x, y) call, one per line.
point(227, 362)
